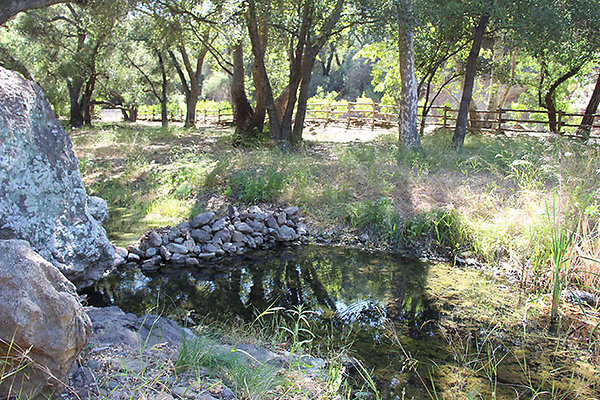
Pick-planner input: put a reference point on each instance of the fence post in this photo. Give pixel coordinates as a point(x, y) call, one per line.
point(373, 120)
point(445, 116)
point(500, 111)
point(219, 117)
point(328, 116)
point(559, 122)
point(205, 115)
point(349, 111)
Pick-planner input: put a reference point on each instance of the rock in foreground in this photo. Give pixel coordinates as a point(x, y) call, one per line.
point(41, 319)
point(42, 198)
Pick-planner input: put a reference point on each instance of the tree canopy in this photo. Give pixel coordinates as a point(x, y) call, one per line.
point(268, 58)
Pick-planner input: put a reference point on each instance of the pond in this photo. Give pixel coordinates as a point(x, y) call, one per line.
point(425, 329)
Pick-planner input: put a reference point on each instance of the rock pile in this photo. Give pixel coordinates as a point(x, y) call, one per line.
point(207, 236)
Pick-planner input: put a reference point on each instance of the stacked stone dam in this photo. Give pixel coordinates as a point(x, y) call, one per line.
point(208, 236)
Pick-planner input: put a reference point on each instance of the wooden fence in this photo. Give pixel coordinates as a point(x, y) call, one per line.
point(380, 115)
point(207, 116)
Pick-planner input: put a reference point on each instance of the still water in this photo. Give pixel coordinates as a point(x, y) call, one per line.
point(422, 327)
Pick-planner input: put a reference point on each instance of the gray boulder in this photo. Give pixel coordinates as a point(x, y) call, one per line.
point(40, 314)
point(243, 227)
point(202, 219)
point(154, 239)
point(219, 224)
point(113, 326)
point(291, 211)
point(177, 248)
point(285, 234)
point(201, 235)
point(42, 197)
point(272, 222)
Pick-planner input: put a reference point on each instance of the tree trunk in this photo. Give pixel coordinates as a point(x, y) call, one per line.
point(164, 113)
point(242, 110)
point(460, 131)
point(76, 116)
point(408, 134)
point(549, 103)
point(585, 128)
point(86, 101)
point(309, 62)
point(190, 106)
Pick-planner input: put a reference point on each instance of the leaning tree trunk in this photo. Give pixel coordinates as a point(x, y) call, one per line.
point(585, 128)
point(460, 131)
point(549, 102)
point(309, 62)
point(408, 133)
point(12, 7)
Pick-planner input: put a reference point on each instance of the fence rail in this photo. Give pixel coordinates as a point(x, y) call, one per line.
point(219, 116)
point(376, 115)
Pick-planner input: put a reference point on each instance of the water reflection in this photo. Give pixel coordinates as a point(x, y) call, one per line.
point(347, 286)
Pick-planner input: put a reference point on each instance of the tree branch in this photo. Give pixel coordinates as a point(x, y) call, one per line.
point(10, 8)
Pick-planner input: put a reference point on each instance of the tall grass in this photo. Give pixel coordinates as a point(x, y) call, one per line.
point(560, 242)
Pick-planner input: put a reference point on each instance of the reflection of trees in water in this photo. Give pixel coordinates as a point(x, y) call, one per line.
point(360, 285)
point(409, 304)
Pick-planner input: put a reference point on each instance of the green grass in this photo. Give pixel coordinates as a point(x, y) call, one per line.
point(248, 379)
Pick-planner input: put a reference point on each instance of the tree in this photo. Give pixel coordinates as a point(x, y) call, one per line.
point(189, 39)
point(76, 39)
point(306, 30)
point(563, 36)
point(437, 40)
point(191, 79)
point(149, 58)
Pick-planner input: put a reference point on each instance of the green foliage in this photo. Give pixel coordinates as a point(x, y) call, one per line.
point(249, 379)
point(444, 226)
point(259, 185)
point(378, 217)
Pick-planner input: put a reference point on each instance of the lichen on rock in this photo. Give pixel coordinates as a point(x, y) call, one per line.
point(42, 197)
